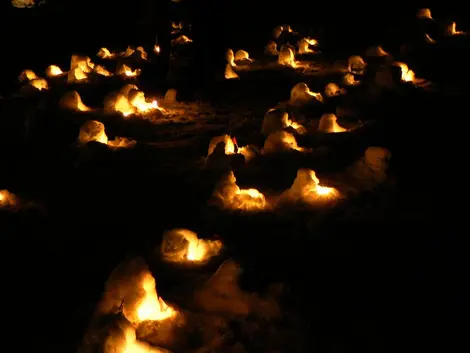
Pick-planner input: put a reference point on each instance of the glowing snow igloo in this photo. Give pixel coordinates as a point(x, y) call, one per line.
point(377, 158)
point(181, 40)
point(27, 75)
point(271, 48)
point(228, 195)
point(242, 56)
point(21, 4)
point(281, 141)
point(32, 80)
point(39, 83)
point(307, 188)
point(73, 101)
point(184, 246)
point(104, 53)
point(8, 200)
point(54, 71)
point(93, 130)
point(126, 72)
point(333, 90)
point(356, 64)
point(287, 56)
point(300, 94)
point(278, 119)
point(80, 67)
point(371, 169)
point(171, 96)
point(304, 45)
point(132, 287)
point(130, 101)
point(350, 80)
point(424, 13)
point(328, 124)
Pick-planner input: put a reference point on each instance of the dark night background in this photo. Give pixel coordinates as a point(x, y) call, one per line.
point(424, 306)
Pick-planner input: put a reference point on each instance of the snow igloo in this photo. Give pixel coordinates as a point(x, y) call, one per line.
point(371, 169)
point(184, 246)
point(281, 141)
point(277, 119)
point(229, 195)
point(356, 64)
point(72, 101)
point(287, 56)
point(93, 130)
point(306, 187)
point(333, 90)
point(300, 94)
point(271, 48)
point(328, 124)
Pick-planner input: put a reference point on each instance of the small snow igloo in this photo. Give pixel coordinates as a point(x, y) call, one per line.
point(93, 130)
point(281, 141)
point(227, 194)
point(328, 124)
point(287, 56)
point(377, 158)
point(371, 169)
point(333, 90)
point(300, 94)
point(184, 246)
point(242, 57)
point(72, 101)
point(306, 187)
point(271, 48)
point(277, 119)
point(356, 65)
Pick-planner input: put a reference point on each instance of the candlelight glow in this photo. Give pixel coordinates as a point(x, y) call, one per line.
point(183, 245)
point(407, 75)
